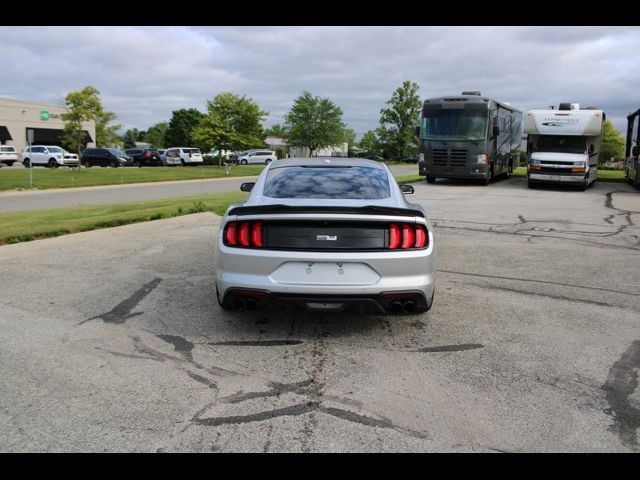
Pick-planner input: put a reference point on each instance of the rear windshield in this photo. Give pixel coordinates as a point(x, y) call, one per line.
point(115, 151)
point(191, 150)
point(133, 152)
point(327, 182)
point(7, 149)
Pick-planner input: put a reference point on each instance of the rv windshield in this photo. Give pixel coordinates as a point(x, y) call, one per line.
point(455, 125)
point(561, 144)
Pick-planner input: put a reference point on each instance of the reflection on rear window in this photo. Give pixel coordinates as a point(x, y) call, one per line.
point(327, 182)
point(7, 149)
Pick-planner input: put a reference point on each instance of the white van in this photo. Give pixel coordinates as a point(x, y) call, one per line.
point(183, 156)
point(8, 154)
point(262, 157)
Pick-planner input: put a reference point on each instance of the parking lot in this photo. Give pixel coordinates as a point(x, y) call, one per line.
point(112, 340)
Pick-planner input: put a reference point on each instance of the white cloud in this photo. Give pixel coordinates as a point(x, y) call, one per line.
point(143, 73)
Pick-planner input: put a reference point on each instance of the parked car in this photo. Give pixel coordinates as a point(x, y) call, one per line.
point(8, 154)
point(326, 234)
point(144, 157)
point(163, 155)
point(183, 156)
point(262, 157)
point(105, 157)
point(412, 159)
point(51, 156)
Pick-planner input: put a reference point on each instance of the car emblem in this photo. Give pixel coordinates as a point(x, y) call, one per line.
point(333, 238)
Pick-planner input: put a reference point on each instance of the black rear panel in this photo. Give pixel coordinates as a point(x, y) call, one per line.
point(325, 235)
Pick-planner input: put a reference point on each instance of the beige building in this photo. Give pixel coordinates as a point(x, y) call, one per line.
point(18, 116)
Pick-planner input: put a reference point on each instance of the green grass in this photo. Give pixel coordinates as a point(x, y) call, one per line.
point(603, 175)
point(31, 225)
point(45, 178)
point(409, 178)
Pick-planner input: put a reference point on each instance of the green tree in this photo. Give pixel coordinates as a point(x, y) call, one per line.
point(156, 135)
point(277, 131)
point(231, 123)
point(613, 144)
point(130, 138)
point(370, 143)
point(82, 106)
point(181, 125)
point(398, 122)
point(349, 138)
point(314, 123)
point(106, 133)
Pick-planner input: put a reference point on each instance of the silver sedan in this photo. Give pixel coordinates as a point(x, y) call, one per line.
point(326, 234)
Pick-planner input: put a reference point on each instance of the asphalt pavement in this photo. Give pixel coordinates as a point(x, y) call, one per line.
point(112, 340)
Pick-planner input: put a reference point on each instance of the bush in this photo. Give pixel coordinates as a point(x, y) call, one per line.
point(209, 160)
point(280, 153)
point(524, 159)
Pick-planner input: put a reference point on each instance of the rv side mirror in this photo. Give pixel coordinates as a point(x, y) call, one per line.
point(247, 186)
point(635, 151)
point(417, 131)
point(407, 189)
point(591, 149)
point(496, 130)
point(530, 147)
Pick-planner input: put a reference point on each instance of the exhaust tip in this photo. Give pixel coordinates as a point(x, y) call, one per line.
point(409, 306)
point(239, 303)
point(395, 306)
point(252, 304)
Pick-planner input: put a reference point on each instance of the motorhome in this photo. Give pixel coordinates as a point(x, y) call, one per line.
point(468, 136)
point(564, 145)
point(632, 150)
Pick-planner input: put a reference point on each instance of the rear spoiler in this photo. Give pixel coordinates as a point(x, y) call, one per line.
point(368, 209)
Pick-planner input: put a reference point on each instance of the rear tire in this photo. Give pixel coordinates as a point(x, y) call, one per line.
point(9, 164)
point(114, 164)
point(220, 302)
point(243, 162)
point(531, 184)
point(53, 163)
point(27, 163)
point(431, 179)
point(267, 161)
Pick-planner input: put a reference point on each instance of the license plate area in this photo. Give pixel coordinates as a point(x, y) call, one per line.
point(324, 273)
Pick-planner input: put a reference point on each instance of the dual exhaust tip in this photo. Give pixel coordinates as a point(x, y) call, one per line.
point(406, 306)
point(249, 303)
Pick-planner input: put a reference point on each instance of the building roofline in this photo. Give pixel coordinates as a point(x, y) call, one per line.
point(31, 102)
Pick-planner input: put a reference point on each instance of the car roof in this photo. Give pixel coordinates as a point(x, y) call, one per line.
point(325, 161)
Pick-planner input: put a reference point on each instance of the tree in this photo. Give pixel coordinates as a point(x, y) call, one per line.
point(613, 144)
point(370, 143)
point(156, 135)
point(314, 123)
point(277, 131)
point(132, 136)
point(181, 125)
point(231, 123)
point(398, 122)
point(106, 134)
point(349, 138)
point(82, 106)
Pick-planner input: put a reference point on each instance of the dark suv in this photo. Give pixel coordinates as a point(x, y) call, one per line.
point(144, 156)
point(103, 157)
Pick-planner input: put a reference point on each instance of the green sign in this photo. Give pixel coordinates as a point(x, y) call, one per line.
point(44, 114)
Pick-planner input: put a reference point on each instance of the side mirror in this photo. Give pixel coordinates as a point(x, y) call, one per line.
point(406, 189)
point(635, 151)
point(496, 130)
point(247, 186)
point(417, 131)
point(530, 147)
point(591, 149)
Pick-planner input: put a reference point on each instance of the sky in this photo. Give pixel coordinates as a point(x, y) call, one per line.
point(144, 73)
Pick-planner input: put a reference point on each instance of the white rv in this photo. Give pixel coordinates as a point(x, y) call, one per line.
point(564, 145)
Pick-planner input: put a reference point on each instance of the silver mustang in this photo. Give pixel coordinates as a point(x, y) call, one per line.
point(326, 234)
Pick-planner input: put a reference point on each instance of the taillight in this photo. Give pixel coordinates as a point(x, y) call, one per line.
point(243, 234)
point(406, 236)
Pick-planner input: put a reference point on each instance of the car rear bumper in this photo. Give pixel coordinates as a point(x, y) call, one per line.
point(318, 276)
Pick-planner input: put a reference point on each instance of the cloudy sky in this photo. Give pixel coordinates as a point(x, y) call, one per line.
point(143, 73)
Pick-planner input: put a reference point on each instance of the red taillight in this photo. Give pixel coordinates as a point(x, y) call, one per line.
point(421, 236)
point(230, 234)
point(394, 236)
point(243, 234)
point(407, 236)
point(256, 234)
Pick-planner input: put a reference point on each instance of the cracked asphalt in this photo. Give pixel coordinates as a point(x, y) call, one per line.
point(112, 340)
